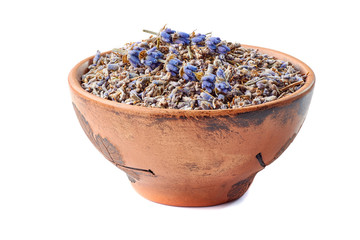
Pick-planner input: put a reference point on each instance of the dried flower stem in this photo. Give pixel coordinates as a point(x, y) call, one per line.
point(291, 85)
point(150, 32)
point(189, 52)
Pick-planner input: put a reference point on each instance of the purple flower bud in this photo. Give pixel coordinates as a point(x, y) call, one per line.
point(100, 83)
point(208, 82)
point(223, 87)
point(284, 65)
point(214, 40)
point(135, 62)
point(166, 37)
point(172, 68)
point(183, 35)
point(151, 60)
point(138, 48)
point(113, 67)
point(183, 41)
point(298, 79)
point(175, 62)
point(188, 72)
point(173, 65)
point(208, 86)
point(189, 75)
point(147, 63)
point(286, 76)
point(156, 54)
point(134, 53)
point(223, 49)
point(173, 50)
point(151, 50)
point(198, 38)
point(209, 78)
point(221, 97)
point(97, 57)
point(210, 45)
point(169, 31)
point(220, 73)
point(191, 68)
point(206, 96)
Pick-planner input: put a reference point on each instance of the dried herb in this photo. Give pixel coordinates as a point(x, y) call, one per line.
point(178, 70)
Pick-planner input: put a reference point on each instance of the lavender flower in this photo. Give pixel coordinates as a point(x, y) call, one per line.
point(223, 87)
point(223, 49)
point(100, 83)
point(208, 82)
point(133, 57)
point(220, 74)
point(173, 50)
point(184, 38)
point(221, 97)
point(96, 58)
point(188, 74)
point(183, 35)
point(214, 40)
point(113, 66)
point(199, 38)
point(284, 65)
point(152, 57)
point(213, 44)
point(173, 66)
point(166, 35)
point(189, 71)
point(206, 96)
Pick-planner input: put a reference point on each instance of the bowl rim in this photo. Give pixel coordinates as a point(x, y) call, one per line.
point(75, 87)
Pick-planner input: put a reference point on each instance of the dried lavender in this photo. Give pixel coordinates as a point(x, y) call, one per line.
point(178, 70)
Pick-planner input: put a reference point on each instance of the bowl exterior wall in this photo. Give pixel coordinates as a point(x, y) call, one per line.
point(190, 160)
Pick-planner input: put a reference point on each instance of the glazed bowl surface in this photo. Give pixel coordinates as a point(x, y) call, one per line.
point(192, 157)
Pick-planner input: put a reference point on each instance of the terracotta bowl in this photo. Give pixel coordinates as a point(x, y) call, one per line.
point(191, 157)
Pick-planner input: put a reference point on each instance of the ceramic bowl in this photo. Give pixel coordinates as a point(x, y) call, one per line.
point(191, 157)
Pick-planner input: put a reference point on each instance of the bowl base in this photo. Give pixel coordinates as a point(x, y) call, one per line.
point(186, 196)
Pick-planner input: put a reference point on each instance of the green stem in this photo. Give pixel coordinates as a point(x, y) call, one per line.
point(150, 32)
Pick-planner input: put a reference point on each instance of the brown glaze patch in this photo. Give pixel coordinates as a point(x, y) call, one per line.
point(239, 188)
point(195, 167)
point(108, 149)
point(191, 166)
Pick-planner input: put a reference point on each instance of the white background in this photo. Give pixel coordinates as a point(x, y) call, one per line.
point(55, 185)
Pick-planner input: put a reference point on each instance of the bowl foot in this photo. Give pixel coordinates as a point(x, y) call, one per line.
point(239, 188)
point(194, 196)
